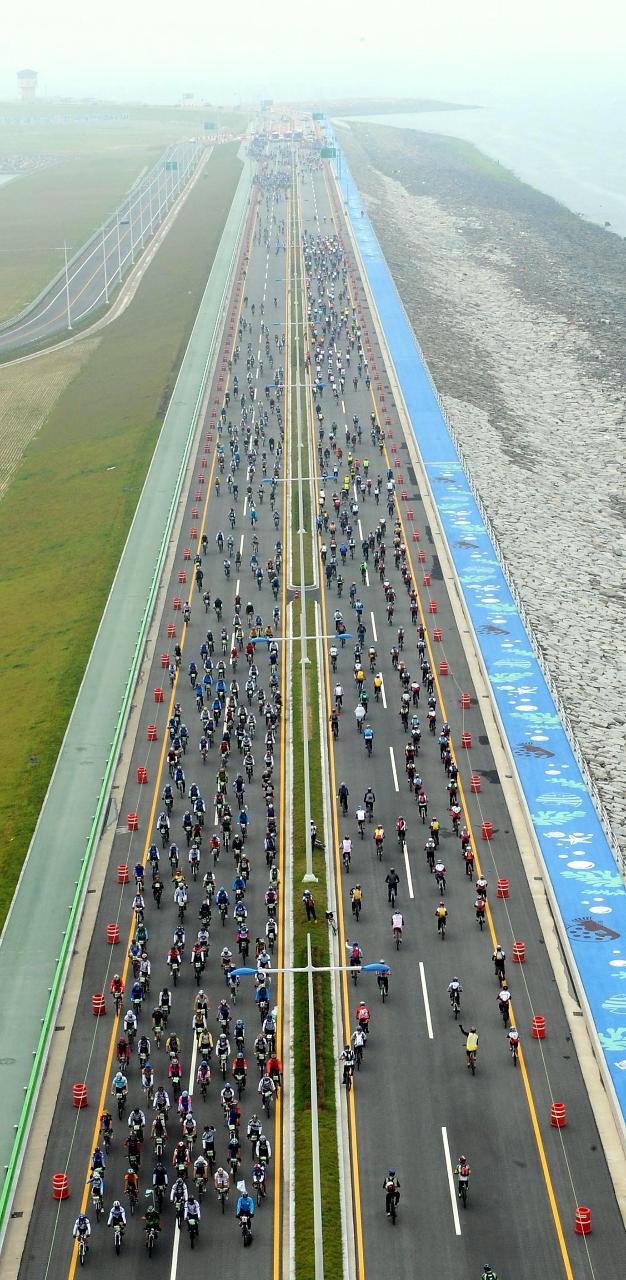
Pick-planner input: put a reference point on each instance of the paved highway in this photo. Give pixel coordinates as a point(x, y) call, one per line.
point(73, 1135)
point(415, 1106)
point(96, 270)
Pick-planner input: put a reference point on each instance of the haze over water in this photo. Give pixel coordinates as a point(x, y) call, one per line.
point(571, 145)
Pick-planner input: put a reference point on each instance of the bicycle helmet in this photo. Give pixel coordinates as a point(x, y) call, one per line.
point(392, 1173)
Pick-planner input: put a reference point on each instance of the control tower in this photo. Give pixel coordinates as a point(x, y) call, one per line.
point(27, 83)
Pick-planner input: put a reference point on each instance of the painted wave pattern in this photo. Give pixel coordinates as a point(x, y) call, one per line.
point(589, 890)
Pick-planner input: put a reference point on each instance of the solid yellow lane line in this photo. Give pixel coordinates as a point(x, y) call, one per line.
point(278, 1118)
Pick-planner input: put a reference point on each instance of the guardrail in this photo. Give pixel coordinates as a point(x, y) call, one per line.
point(41, 1052)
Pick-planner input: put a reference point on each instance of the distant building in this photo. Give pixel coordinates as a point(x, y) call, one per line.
point(27, 84)
point(188, 100)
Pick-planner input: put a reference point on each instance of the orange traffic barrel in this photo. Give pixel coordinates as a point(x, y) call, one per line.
point(171, 631)
point(133, 822)
point(165, 660)
point(582, 1221)
point(60, 1186)
point(433, 607)
point(113, 934)
point(410, 513)
point(538, 1028)
point(438, 634)
point(421, 557)
point(177, 604)
point(475, 783)
point(142, 774)
point(194, 513)
point(182, 577)
point(558, 1115)
point(465, 700)
point(502, 886)
point(443, 667)
point(193, 532)
point(486, 829)
point(152, 733)
point(79, 1095)
point(187, 553)
point(519, 953)
point(466, 739)
point(98, 1007)
point(416, 535)
point(122, 873)
point(426, 578)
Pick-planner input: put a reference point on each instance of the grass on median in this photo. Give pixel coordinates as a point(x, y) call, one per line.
point(326, 1065)
point(65, 517)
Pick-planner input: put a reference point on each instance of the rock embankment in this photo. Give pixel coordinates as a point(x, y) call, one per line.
point(520, 309)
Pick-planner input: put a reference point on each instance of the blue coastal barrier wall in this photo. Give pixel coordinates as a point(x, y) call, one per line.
point(588, 888)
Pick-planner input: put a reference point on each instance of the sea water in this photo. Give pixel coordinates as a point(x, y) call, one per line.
point(570, 145)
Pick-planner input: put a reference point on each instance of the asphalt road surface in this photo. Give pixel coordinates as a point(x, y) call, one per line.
point(415, 1106)
point(102, 263)
point(49, 1245)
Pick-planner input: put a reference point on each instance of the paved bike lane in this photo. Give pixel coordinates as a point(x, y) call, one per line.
point(588, 893)
point(75, 809)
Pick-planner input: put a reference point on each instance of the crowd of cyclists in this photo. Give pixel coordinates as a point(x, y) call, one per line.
point(183, 1063)
point(186, 1065)
point(362, 554)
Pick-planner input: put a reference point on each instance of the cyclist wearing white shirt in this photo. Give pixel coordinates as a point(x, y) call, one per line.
point(397, 923)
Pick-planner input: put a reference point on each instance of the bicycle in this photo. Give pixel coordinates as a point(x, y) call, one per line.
point(463, 1190)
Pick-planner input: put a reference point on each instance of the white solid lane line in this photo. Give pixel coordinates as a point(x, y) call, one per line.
point(241, 544)
point(393, 769)
point(177, 1233)
point(446, 1153)
point(408, 871)
point(383, 694)
point(426, 1001)
point(374, 632)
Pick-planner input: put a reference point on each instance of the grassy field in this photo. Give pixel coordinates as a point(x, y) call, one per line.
point(64, 519)
point(28, 393)
point(96, 156)
point(325, 1061)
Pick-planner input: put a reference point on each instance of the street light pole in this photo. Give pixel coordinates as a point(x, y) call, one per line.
point(132, 242)
point(119, 246)
point(67, 287)
point(104, 263)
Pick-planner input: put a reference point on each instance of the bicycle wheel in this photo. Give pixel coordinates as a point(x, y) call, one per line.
point(463, 1190)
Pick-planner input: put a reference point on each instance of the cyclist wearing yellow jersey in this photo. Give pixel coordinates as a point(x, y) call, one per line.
point(471, 1043)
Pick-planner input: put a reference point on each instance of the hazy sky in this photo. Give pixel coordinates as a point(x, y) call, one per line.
point(155, 50)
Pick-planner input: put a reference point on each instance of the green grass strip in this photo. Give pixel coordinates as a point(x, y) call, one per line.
point(326, 1066)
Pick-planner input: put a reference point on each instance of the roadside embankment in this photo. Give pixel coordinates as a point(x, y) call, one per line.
point(520, 309)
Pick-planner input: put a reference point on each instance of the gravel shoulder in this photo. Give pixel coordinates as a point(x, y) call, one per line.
point(520, 309)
